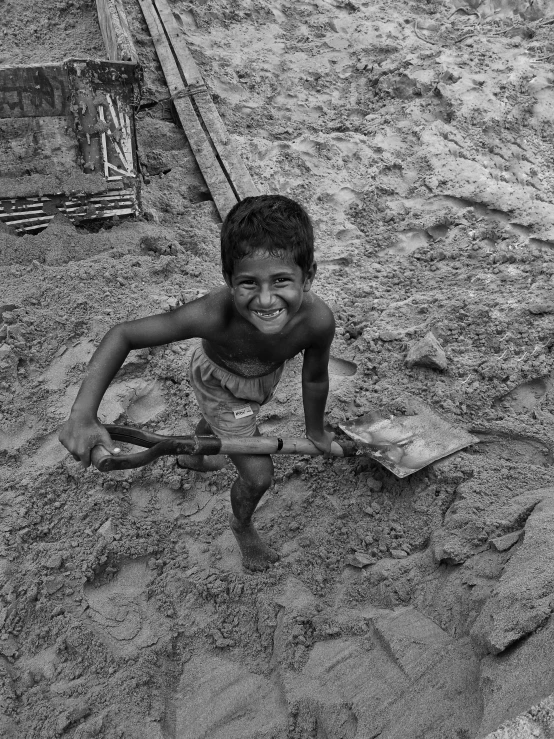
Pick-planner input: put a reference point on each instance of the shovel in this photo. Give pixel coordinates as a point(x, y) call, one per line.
point(414, 441)
point(402, 444)
point(157, 446)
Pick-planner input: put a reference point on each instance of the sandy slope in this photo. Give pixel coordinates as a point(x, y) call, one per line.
point(421, 141)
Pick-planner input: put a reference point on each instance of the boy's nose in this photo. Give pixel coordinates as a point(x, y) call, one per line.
point(265, 297)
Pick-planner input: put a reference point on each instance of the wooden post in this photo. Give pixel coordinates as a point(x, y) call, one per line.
point(115, 31)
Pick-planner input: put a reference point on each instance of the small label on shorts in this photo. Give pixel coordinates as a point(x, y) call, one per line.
point(243, 412)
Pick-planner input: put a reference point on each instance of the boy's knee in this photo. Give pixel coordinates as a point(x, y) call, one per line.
point(258, 484)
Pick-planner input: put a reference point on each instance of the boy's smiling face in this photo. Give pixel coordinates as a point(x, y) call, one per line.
point(268, 290)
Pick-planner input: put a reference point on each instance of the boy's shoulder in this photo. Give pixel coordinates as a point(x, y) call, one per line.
point(216, 302)
point(318, 316)
point(318, 308)
point(208, 313)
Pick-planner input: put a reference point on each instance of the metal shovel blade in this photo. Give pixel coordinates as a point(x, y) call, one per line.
point(405, 444)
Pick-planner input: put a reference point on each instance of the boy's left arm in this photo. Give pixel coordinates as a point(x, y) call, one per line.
point(315, 385)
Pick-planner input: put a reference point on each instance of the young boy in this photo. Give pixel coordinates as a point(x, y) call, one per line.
point(263, 316)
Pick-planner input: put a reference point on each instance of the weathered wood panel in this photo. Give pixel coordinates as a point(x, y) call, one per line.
point(36, 91)
point(36, 185)
point(37, 146)
point(33, 214)
point(220, 189)
point(45, 90)
point(115, 31)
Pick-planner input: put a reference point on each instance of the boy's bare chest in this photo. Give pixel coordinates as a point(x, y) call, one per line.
point(251, 355)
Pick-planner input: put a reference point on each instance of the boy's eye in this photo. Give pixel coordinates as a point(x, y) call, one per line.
point(282, 280)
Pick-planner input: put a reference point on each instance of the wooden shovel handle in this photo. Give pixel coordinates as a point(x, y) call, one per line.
point(99, 457)
point(158, 446)
point(275, 445)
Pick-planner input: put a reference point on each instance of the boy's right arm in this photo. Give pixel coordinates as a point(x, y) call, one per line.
point(82, 431)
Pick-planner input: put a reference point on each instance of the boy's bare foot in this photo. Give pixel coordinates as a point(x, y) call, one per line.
point(202, 463)
point(256, 555)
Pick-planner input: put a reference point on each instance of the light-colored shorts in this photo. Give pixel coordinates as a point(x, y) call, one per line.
point(229, 403)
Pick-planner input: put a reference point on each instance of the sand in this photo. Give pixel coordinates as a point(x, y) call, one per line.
point(419, 136)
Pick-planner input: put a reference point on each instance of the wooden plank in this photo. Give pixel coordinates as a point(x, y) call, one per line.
point(124, 23)
point(37, 144)
point(115, 31)
point(27, 186)
point(222, 193)
point(35, 91)
point(234, 167)
point(33, 214)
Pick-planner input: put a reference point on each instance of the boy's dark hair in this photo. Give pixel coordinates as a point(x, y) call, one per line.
point(271, 222)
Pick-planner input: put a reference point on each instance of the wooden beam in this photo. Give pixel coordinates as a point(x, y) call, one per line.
point(35, 213)
point(115, 31)
point(36, 91)
point(27, 186)
point(232, 163)
point(220, 189)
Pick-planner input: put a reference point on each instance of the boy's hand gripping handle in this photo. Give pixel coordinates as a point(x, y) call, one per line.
point(99, 457)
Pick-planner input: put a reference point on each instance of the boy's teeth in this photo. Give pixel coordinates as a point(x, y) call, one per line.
point(268, 314)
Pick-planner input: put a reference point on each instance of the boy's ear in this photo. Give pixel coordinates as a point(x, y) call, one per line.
point(310, 277)
point(227, 278)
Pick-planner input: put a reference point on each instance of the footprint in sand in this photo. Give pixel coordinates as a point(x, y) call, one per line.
point(407, 242)
point(122, 612)
point(148, 404)
point(50, 452)
point(15, 436)
point(342, 367)
point(155, 501)
point(65, 359)
point(343, 198)
point(142, 401)
point(529, 394)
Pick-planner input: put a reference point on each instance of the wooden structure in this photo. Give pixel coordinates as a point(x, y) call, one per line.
point(221, 165)
point(67, 138)
point(115, 31)
point(67, 142)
